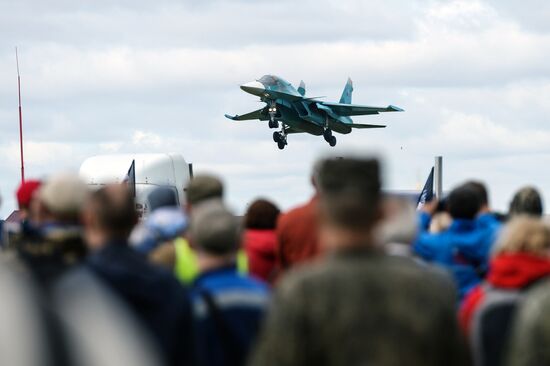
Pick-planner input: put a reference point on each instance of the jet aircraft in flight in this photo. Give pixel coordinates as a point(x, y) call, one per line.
point(300, 114)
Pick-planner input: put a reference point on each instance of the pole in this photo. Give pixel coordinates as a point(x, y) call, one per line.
point(438, 177)
point(20, 118)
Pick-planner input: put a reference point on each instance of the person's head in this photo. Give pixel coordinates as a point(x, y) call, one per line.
point(464, 202)
point(524, 234)
point(349, 206)
point(400, 224)
point(162, 197)
point(481, 190)
point(26, 196)
point(526, 201)
point(214, 230)
point(61, 198)
point(110, 216)
point(202, 188)
point(261, 214)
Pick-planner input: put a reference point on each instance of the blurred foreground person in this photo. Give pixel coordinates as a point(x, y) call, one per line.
point(228, 307)
point(260, 239)
point(297, 235)
point(28, 332)
point(530, 333)
point(485, 218)
point(27, 203)
point(526, 201)
point(358, 306)
point(463, 247)
point(154, 295)
point(56, 243)
point(521, 259)
point(25, 196)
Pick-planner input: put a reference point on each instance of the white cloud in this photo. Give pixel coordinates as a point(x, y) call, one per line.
point(146, 139)
point(133, 76)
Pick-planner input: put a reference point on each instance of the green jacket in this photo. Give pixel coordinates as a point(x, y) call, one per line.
point(186, 267)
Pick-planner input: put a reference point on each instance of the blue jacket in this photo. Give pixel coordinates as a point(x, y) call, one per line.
point(152, 294)
point(463, 249)
point(240, 301)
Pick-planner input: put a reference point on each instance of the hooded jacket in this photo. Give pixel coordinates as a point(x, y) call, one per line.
point(450, 250)
point(488, 310)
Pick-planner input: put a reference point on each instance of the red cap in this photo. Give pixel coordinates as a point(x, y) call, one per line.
point(25, 191)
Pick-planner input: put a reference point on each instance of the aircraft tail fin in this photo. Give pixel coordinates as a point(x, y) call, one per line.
point(346, 94)
point(302, 88)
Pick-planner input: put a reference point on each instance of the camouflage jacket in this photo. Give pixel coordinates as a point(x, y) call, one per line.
point(361, 307)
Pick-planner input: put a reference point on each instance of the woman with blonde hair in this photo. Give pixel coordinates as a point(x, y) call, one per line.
point(520, 259)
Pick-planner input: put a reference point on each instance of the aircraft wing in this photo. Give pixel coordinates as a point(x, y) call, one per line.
point(343, 109)
point(259, 114)
point(360, 125)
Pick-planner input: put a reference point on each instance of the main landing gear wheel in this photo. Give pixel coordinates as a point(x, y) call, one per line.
point(332, 141)
point(327, 134)
point(280, 139)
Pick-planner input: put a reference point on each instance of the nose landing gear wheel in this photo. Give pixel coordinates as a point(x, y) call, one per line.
point(273, 124)
point(327, 134)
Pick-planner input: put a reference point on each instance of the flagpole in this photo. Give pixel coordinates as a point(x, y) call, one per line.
point(20, 118)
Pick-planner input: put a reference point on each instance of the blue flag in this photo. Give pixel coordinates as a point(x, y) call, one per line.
point(427, 193)
point(130, 179)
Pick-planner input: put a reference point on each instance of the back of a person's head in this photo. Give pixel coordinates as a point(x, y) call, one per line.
point(524, 234)
point(481, 189)
point(526, 201)
point(114, 211)
point(202, 188)
point(63, 196)
point(214, 229)
point(350, 192)
point(262, 214)
point(25, 192)
point(463, 202)
point(162, 197)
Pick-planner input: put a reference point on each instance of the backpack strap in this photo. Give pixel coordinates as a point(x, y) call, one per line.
point(232, 349)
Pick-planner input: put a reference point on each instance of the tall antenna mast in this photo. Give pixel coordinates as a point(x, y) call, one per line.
point(20, 118)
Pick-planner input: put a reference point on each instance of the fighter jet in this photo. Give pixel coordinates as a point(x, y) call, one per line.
point(289, 110)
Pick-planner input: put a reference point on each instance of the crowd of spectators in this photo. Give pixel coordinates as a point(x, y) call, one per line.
point(353, 276)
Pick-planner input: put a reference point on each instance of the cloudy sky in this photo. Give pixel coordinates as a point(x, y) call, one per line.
point(157, 76)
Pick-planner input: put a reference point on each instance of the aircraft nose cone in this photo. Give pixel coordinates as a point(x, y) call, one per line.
point(253, 87)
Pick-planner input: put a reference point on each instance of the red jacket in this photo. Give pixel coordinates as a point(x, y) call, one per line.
point(260, 246)
point(297, 235)
point(507, 272)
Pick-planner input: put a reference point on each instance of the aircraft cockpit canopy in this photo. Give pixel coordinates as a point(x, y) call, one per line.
point(274, 82)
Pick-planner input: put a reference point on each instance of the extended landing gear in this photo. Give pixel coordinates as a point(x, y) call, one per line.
point(280, 139)
point(273, 123)
point(331, 139)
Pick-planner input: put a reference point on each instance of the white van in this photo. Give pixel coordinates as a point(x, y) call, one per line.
point(151, 171)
